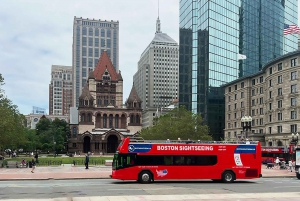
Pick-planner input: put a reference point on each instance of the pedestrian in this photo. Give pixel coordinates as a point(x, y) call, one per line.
point(36, 158)
point(277, 161)
point(291, 165)
point(168, 141)
point(87, 159)
point(33, 165)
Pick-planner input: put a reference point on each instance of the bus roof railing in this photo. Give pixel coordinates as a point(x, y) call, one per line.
point(141, 140)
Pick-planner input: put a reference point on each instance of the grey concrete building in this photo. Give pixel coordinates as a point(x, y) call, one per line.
point(60, 90)
point(90, 38)
point(271, 98)
point(156, 79)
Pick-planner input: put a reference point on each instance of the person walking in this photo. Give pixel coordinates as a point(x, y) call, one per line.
point(87, 159)
point(33, 165)
point(36, 158)
point(291, 165)
point(277, 161)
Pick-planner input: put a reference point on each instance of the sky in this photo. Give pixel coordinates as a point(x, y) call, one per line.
point(35, 34)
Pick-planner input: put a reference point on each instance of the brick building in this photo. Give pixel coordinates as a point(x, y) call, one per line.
point(101, 120)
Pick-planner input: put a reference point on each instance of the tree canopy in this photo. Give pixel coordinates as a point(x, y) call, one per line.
point(12, 130)
point(178, 123)
point(52, 135)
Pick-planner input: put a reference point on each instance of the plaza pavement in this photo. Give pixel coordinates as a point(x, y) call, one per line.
point(97, 172)
point(69, 171)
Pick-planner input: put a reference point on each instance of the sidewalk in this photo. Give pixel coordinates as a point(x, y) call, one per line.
point(94, 172)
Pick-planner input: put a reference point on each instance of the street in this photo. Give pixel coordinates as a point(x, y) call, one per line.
point(35, 189)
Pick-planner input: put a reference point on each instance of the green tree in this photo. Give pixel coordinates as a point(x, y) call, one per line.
point(12, 131)
point(178, 123)
point(52, 135)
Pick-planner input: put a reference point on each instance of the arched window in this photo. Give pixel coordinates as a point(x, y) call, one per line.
point(90, 31)
point(74, 131)
point(83, 30)
point(89, 117)
point(110, 121)
point(137, 119)
point(102, 33)
point(270, 144)
point(132, 118)
point(96, 32)
point(105, 121)
point(117, 121)
point(82, 117)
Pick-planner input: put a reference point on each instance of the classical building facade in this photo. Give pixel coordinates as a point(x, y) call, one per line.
point(271, 98)
point(102, 120)
point(33, 119)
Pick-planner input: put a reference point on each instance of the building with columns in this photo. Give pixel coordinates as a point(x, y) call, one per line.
point(271, 98)
point(101, 120)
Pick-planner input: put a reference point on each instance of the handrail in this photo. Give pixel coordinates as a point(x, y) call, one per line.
point(141, 140)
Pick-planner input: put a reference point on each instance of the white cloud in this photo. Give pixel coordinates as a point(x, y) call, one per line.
point(37, 34)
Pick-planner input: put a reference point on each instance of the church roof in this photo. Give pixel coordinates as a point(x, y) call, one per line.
point(86, 92)
point(133, 96)
point(103, 64)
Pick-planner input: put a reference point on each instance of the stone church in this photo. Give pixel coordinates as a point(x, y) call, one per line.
point(101, 119)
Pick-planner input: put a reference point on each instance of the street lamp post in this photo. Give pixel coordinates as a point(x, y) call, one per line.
point(294, 142)
point(246, 124)
point(295, 138)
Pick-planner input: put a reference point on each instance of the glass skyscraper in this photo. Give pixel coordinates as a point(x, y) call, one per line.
point(212, 35)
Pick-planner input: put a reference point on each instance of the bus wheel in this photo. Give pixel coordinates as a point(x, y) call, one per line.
point(228, 177)
point(298, 175)
point(145, 177)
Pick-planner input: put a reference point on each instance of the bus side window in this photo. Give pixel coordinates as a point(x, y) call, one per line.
point(168, 160)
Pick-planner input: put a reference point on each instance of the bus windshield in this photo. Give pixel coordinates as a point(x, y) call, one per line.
point(123, 161)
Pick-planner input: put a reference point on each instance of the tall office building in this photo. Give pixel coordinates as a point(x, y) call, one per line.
point(156, 79)
point(212, 36)
point(90, 38)
point(60, 90)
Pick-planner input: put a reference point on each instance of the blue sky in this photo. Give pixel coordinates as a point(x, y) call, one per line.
point(37, 34)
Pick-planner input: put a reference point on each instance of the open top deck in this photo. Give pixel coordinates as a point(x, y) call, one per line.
point(137, 140)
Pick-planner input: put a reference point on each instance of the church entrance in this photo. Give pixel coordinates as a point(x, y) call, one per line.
point(86, 144)
point(112, 143)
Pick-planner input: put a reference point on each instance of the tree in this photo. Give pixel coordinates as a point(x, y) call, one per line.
point(52, 135)
point(178, 123)
point(12, 131)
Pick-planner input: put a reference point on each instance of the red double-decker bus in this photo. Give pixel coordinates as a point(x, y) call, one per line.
point(269, 154)
point(147, 161)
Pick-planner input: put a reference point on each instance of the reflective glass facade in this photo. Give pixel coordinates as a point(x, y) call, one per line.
point(213, 33)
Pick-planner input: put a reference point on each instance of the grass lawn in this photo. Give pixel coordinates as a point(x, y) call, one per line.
point(45, 160)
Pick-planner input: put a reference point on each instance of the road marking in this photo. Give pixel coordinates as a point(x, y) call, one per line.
point(286, 187)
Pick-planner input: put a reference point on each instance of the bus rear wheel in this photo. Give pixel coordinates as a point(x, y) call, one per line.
point(228, 177)
point(145, 177)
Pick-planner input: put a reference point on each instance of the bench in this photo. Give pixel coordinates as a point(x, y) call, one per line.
point(15, 164)
point(108, 162)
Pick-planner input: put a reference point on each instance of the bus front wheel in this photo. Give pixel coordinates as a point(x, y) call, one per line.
point(145, 177)
point(228, 177)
